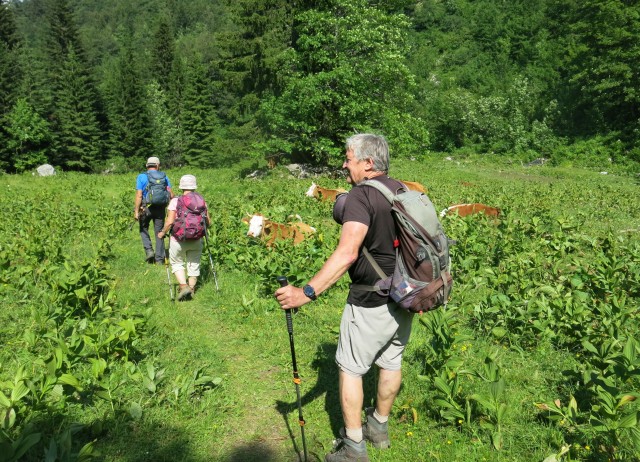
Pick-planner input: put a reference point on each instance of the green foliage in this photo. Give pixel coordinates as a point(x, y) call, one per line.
point(73, 108)
point(10, 73)
point(543, 311)
point(129, 118)
point(345, 73)
point(602, 66)
point(165, 133)
point(199, 124)
point(253, 79)
point(27, 138)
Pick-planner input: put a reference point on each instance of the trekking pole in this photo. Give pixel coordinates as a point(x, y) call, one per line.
point(166, 265)
point(206, 238)
point(282, 280)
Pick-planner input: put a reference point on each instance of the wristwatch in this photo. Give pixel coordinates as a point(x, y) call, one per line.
point(309, 292)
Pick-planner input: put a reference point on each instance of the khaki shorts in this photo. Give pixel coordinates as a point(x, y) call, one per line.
point(185, 255)
point(372, 335)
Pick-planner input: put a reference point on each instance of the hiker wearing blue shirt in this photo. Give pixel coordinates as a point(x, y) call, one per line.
point(153, 193)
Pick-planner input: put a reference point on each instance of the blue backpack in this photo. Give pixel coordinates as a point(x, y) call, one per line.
point(157, 193)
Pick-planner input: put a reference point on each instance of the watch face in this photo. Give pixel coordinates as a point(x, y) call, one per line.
point(309, 292)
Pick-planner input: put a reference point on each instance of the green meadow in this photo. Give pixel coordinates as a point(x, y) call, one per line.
point(536, 357)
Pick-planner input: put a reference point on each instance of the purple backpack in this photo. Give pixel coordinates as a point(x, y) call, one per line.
point(190, 217)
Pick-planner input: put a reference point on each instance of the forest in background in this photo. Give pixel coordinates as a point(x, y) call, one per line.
point(91, 86)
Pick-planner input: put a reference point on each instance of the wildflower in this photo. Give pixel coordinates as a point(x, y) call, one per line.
point(409, 434)
point(463, 348)
point(586, 446)
point(460, 421)
point(448, 441)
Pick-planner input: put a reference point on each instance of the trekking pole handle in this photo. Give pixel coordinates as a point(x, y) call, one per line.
point(282, 280)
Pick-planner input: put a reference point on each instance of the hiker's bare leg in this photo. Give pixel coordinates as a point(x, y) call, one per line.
point(181, 277)
point(192, 282)
point(388, 387)
point(351, 399)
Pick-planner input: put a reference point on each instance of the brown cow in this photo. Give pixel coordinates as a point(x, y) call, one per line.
point(259, 226)
point(414, 186)
point(464, 210)
point(324, 194)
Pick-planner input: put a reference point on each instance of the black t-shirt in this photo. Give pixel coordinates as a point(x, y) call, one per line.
point(367, 205)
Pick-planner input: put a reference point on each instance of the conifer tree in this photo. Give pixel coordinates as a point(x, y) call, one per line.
point(9, 71)
point(199, 117)
point(254, 54)
point(604, 69)
point(10, 77)
point(130, 134)
point(162, 54)
point(74, 109)
point(176, 108)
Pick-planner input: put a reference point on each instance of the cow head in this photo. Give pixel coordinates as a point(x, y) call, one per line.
point(312, 190)
point(256, 225)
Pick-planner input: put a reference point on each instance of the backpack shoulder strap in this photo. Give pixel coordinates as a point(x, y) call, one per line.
point(379, 272)
point(180, 203)
point(384, 189)
point(389, 195)
point(373, 262)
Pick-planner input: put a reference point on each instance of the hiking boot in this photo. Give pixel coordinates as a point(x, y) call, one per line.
point(185, 293)
point(347, 450)
point(151, 256)
point(375, 432)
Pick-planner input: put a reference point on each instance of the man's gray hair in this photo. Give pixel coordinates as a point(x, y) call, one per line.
point(370, 146)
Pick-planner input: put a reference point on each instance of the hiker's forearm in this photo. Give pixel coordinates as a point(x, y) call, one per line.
point(138, 201)
point(168, 223)
point(137, 204)
point(342, 258)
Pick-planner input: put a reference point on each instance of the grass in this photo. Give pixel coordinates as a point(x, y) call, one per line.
point(238, 334)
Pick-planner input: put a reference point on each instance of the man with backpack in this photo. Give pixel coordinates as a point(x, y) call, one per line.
point(153, 193)
point(374, 329)
point(188, 220)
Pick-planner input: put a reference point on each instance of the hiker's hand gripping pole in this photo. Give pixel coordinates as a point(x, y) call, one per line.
point(282, 280)
point(206, 238)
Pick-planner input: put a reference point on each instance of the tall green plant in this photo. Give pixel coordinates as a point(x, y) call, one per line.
point(346, 73)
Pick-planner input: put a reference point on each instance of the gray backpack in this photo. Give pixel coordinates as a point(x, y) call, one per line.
point(421, 280)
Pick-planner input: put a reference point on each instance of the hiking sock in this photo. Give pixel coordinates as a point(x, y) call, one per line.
point(379, 418)
point(354, 434)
